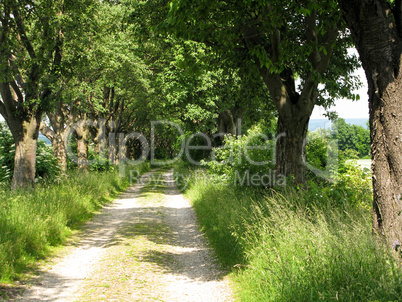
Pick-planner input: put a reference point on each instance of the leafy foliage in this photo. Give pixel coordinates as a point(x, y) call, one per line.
point(244, 156)
point(46, 164)
point(7, 151)
point(350, 142)
point(222, 25)
point(316, 149)
point(351, 137)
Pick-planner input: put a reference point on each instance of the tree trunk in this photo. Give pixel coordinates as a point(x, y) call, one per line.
point(81, 134)
point(82, 149)
point(294, 111)
point(58, 137)
point(60, 151)
point(26, 140)
point(291, 146)
point(229, 121)
point(379, 42)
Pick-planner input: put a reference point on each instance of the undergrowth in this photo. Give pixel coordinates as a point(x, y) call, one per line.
point(294, 244)
point(32, 221)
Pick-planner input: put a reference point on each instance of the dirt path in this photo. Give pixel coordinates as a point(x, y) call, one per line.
point(146, 246)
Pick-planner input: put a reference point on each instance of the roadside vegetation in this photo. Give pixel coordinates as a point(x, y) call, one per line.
point(112, 82)
point(32, 221)
point(308, 242)
point(351, 141)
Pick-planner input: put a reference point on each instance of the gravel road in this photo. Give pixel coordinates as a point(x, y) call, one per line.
point(146, 246)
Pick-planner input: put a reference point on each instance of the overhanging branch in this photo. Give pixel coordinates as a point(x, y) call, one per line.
point(8, 101)
point(3, 110)
point(24, 38)
point(17, 92)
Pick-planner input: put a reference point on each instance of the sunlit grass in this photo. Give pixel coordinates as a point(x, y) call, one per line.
point(283, 247)
point(32, 221)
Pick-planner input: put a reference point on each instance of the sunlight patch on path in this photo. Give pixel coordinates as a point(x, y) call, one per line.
point(146, 246)
point(64, 278)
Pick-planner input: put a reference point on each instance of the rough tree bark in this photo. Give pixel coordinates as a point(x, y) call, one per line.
point(22, 90)
point(294, 109)
point(228, 121)
point(24, 122)
point(377, 32)
point(81, 134)
point(25, 133)
point(60, 122)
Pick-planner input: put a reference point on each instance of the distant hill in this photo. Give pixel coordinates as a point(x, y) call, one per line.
point(326, 124)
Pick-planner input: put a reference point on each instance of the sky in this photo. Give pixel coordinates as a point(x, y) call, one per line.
point(347, 108)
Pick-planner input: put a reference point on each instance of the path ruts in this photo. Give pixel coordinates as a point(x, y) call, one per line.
point(146, 246)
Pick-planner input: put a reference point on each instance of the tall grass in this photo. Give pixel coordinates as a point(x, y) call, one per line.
point(32, 221)
point(281, 247)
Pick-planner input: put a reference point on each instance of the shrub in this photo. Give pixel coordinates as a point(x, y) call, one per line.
point(251, 153)
point(46, 164)
point(316, 149)
point(7, 151)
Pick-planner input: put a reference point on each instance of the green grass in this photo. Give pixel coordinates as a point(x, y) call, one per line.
point(283, 247)
point(31, 222)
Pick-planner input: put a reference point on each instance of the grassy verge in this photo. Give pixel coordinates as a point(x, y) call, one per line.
point(283, 247)
point(31, 222)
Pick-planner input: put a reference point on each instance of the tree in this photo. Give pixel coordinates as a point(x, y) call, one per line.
point(376, 27)
point(351, 137)
point(30, 54)
point(193, 85)
point(32, 38)
point(284, 40)
point(102, 82)
point(60, 120)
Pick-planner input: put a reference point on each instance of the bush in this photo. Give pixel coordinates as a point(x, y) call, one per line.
point(250, 154)
point(7, 151)
point(316, 149)
point(47, 165)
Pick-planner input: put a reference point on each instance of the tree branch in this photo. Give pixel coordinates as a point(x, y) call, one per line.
point(8, 100)
point(18, 77)
point(3, 110)
point(23, 35)
point(17, 92)
point(274, 82)
point(311, 36)
point(3, 27)
point(57, 54)
point(46, 131)
point(319, 60)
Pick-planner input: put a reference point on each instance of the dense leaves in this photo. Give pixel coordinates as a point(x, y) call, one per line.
point(351, 137)
point(7, 152)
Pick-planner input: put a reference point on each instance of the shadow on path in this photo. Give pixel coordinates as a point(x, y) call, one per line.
point(171, 222)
